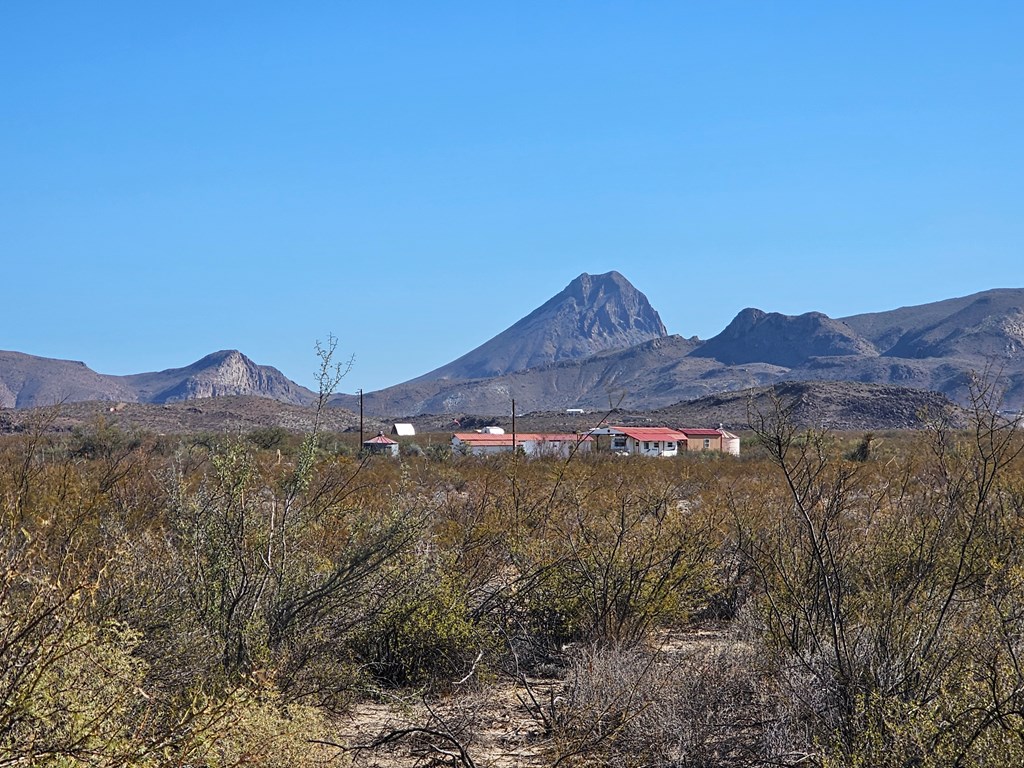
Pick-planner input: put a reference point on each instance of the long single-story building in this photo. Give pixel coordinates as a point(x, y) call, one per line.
point(531, 443)
point(664, 441)
point(643, 441)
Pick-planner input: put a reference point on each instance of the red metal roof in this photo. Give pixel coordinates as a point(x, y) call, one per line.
point(380, 440)
point(701, 432)
point(658, 434)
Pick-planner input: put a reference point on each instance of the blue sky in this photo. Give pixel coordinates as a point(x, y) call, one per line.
point(179, 178)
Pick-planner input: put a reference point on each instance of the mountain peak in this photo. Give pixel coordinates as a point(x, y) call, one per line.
point(593, 313)
point(227, 372)
point(221, 357)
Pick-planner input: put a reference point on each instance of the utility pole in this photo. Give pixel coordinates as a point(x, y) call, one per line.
point(360, 419)
point(513, 425)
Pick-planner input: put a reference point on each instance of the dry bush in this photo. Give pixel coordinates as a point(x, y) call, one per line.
point(695, 705)
point(888, 598)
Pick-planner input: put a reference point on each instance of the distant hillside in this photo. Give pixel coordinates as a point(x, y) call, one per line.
point(592, 314)
point(840, 406)
point(655, 371)
point(837, 405)
point(892, 332)
point(27, 382)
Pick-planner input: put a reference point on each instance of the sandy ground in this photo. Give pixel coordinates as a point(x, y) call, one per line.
point(499, 724)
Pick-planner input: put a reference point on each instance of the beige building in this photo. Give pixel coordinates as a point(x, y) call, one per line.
point(711, 440)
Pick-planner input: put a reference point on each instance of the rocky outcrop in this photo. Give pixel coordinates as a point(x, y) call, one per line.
point(223, 373)
point(978, 331)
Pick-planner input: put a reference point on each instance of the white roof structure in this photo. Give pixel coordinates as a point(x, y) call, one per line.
point(403, 430)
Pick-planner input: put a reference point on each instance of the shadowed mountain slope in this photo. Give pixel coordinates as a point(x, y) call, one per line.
point(594, 313)
point(27, 381)
point(648, 375)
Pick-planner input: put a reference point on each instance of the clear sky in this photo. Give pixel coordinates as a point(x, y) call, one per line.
point(179, 178)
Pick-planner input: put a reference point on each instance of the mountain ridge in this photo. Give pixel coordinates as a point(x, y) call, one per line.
point(938, 347)
point(598, 341)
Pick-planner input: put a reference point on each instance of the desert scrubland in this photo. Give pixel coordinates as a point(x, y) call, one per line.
point(266, 599)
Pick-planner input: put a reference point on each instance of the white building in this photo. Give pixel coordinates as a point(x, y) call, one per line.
point(533, 444)
point(643, 441)
point(663, 441)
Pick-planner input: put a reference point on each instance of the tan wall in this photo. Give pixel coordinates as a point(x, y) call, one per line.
point(696, 444)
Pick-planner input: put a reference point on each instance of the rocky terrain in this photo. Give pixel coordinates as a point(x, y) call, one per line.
point(27, 381)
point(230, 414)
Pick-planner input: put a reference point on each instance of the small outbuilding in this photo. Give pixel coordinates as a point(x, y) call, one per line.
point(403, 430)
point(712, 440)
point(730, 442)
point(381, 444)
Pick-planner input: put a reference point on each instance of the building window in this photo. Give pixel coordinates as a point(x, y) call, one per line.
point(707, 443)
point(647, 445)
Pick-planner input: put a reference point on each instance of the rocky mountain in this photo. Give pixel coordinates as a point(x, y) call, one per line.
point(27, 381)
point(592, 314)
point(937, 347)
point(599, 343)
point(227, 372)
point(985, 326)
point(885, 330)
point(759, 337)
